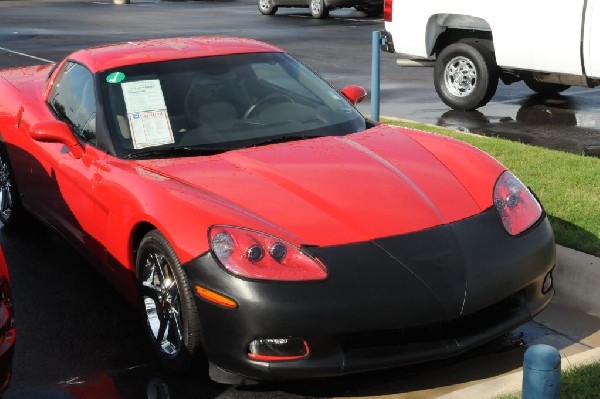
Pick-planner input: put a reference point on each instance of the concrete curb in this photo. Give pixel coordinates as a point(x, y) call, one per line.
point(577, 278)
point(511, 383)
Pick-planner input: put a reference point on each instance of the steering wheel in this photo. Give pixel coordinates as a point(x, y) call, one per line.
point(269, 99)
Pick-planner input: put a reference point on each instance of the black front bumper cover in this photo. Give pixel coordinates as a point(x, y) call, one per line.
point(387, 302)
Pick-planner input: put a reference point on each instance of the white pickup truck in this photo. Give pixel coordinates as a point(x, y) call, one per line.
point(550, 44)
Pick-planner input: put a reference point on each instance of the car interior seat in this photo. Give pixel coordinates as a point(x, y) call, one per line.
point(210, 102)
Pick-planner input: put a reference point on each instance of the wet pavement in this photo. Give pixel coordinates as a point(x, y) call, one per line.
point(51, 29)
point(560, 122)
point(500, 357)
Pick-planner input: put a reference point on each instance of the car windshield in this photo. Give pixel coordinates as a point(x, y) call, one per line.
point(215, 104)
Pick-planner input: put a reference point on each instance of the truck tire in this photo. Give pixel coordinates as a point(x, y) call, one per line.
point(466, 75)
point(318, 9)
point(545, 88)
point(266, 7)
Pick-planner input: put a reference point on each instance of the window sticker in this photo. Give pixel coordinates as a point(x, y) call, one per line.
point(143, 95)
point(147, 113)
point(150, 129)
point(115, 77)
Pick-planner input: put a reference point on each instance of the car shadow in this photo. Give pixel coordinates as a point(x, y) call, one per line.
point(71, 321)
point(570, 235)
point(149, 381)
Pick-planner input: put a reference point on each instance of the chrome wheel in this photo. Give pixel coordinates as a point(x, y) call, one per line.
point(318, 9)
point(315, 7)
point(160, 295)
point(466, 75)
point(266, 7)
point(6, 191)
point(460, 76)
point(166, 303)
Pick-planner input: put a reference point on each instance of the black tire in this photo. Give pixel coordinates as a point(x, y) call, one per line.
point(267, 7)
point(10, 202)
point(167, 303)
point(544, 88)
point(318, 9)
point(466, 75)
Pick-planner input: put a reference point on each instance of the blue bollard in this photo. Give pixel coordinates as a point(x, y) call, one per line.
point(375, 72)
point(541, 373)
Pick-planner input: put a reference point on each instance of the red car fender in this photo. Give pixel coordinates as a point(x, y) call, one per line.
point(9, 109)
point(180, 212)
point(470, 165)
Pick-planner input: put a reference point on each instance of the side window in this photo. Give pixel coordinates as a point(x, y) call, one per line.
point(73, 99)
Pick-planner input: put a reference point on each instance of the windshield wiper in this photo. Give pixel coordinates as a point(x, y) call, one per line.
point(173, 151)
point(283, 139)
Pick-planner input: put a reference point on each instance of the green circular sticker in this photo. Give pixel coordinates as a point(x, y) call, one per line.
point(115, 77)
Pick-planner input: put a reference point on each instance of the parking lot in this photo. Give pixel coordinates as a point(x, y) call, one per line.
point(78, 338)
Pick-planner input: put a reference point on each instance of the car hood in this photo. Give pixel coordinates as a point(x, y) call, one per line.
point(334, 190)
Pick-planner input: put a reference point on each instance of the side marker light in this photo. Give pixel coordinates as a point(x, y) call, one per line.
point(548, 282)
point(214, 297)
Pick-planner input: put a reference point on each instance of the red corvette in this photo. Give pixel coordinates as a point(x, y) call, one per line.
point(259, 219)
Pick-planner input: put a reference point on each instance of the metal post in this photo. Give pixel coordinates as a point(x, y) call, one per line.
point(541, 373)
point(375, 75)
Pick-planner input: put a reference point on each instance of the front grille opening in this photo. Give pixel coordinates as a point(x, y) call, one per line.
point(458, 328)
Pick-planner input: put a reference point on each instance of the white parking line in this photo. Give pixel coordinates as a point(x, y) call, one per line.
point(25, 55)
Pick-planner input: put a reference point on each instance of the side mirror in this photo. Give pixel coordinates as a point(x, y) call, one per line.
point(56, 132)
point(354, 94)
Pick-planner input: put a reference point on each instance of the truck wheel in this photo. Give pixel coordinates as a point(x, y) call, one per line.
point(266, 7)
point(318, 9)
point(466, 75)
point(545, 88)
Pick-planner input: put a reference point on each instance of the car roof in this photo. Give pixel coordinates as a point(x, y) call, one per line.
point(155, 50)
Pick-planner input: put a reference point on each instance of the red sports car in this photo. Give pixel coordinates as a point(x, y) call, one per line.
point(259, 220)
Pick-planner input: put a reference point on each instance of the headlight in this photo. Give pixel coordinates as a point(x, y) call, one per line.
point(518, 208)
point(257, 255)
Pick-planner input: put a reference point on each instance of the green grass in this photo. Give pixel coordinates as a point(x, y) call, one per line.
point(581, 382)
point(568, 185)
